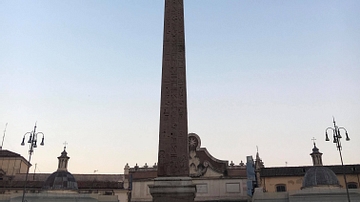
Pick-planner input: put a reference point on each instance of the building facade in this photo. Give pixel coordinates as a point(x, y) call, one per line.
point(58, 186)
point(307, 183)
point(215, 180)
point(11, 164)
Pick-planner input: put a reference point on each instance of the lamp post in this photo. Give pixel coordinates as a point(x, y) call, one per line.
point(33, 144)
point(336, 140)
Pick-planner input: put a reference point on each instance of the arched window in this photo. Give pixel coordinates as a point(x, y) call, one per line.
point(352, 185)
point(280, 187)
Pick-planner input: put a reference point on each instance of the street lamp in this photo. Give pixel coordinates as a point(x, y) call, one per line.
point(336, 139)
point(33, 139)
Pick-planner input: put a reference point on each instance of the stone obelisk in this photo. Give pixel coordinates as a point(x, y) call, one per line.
point(173, 182)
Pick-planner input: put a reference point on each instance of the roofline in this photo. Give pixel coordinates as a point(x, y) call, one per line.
point(301, 170)
point(23, 158)
point(276, 167)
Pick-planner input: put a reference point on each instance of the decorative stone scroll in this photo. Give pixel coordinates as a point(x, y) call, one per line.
point(201, 161)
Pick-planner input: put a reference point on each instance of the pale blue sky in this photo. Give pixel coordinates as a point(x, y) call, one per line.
point(265, 73)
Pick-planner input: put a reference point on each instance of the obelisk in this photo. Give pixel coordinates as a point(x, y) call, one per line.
point(173, 182)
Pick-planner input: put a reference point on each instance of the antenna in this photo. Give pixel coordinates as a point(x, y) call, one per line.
point(34, 171)
point(2, 143)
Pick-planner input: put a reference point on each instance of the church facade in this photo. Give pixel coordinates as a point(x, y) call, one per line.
point(58, 186)
point(306, 183)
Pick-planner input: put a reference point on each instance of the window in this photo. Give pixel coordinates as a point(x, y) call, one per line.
point(280, 188)
point(201, 188)
point(232, 187)
point(352, 185)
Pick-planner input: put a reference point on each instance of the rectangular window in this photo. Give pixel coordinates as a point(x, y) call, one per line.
point(280, 188)
point(352, 185)
point(201, 188)
point(232, 187)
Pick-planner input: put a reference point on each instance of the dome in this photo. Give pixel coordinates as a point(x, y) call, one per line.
point(319, 176)
point(60, 180)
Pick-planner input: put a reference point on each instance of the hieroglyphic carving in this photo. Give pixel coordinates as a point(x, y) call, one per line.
point(173, 146)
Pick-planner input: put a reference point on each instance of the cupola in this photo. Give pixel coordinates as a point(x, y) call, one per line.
point(318, 175)
point(62, 179)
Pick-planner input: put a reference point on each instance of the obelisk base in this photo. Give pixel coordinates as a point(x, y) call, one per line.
point(173, 189)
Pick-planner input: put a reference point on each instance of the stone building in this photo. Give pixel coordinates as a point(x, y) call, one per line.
point(215, 180)
point(307, 183)
point(58, 186)
point(11, 164)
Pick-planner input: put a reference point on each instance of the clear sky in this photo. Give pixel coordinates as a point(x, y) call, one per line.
point(259, 73)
